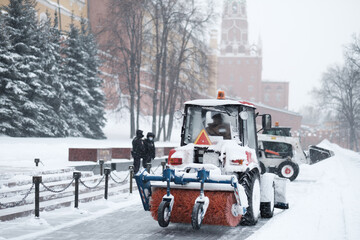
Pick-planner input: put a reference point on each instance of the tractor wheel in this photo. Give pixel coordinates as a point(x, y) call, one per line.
point(251, 184)
point(267, 208)
point(262, 167)
point(197, 215)
point(164, 214)
point(289, 170)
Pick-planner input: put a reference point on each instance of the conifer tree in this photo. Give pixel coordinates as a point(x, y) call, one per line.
point(96, 119)
point(9, 113)
point(76, 96)
point(24, 89)
point(52, 92)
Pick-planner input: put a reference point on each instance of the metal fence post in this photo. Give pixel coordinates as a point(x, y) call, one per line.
point(148, 167)
point(131, 168)
point(163, 165)
point(107, 172)
point(113, 166)
point(37, 180)
point(36, 161)
point(76, 176)
point(101, 162)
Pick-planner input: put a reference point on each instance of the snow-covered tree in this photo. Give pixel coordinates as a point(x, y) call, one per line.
point(84, 107)
point(48, 88)
point(24, 90)
point(8, 90)
point(52, 92)
point(95, 119)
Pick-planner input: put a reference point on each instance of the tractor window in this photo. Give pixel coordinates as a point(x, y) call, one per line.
point(250, 129)
point(277, 149)
point(219, 122)
point(278, 131)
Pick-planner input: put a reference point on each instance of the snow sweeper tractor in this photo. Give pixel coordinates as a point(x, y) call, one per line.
point(281, 154)
point(214, 176)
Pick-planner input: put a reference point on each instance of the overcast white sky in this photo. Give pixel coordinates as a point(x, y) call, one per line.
point(301, 38)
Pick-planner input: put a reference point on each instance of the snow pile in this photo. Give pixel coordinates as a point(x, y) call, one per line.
point(323, 201)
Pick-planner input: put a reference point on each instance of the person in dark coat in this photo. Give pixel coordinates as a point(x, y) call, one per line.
point(149, 149)
point(138, 149)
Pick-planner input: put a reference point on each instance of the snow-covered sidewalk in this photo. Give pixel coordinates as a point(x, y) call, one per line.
point(32, 228)
point(324, 201)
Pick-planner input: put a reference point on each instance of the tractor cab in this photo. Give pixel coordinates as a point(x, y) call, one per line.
point(208, 122)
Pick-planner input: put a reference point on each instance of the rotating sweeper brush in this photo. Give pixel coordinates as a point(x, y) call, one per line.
point(214, 177)
point(187, 205)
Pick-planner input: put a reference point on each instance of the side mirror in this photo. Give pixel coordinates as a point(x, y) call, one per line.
point(178, 114)
point(266, 121)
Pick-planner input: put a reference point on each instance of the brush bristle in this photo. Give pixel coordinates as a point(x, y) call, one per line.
point(218, 212)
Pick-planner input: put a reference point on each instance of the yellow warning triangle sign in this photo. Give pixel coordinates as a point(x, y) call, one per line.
point(202, 138)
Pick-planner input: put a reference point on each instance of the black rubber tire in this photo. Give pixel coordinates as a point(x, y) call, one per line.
point(262, 167)
point(196, 219)
point(288, 166)
point(163, 214)
point(248, 182)
point(267, 208)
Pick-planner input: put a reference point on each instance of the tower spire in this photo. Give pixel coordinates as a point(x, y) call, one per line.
point(234, 38)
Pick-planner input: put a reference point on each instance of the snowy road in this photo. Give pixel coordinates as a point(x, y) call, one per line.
point(324, 204)
point(134, 223)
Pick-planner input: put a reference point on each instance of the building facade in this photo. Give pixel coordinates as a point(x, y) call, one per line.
point(240, 63)
point(66, 10)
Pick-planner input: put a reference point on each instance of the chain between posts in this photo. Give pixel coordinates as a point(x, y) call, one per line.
point(57, 191)
point(112, 173)
point(93, 186)
point(10, 205)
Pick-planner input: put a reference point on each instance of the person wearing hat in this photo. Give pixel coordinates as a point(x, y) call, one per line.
point(138, 149)
point(218, 127)
point(149, 149)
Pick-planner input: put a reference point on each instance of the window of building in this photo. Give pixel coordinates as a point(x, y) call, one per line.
point(278, 97)
point(250, 88)
point(238, 61)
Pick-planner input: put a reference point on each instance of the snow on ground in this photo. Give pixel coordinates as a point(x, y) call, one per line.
point(324, 201)
point(323, 205)
point(20, 153)
point(49, 222)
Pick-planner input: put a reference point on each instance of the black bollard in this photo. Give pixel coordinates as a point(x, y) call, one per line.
point(37, 180)
point(76, 176)
point(148, 167)
point(131, 168)
point(107, 172)
point(101, 163)
point(36, 161)
point(113, 166)
point(163, 165)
